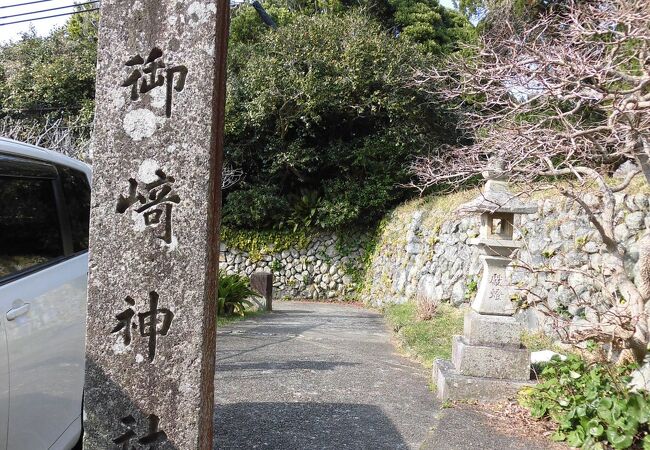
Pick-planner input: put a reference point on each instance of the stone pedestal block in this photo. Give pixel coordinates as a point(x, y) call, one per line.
point(454, 386)
point(262, 282)
point(493, 296)
point(499, 331)
point(492, 362)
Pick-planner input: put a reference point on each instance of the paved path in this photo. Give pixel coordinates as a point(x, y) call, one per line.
point(326, 376)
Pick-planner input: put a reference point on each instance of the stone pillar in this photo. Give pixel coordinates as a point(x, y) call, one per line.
point(150, 339)
point(262, 282)
point(488, 361)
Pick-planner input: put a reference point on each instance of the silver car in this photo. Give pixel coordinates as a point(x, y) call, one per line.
point(44, 209)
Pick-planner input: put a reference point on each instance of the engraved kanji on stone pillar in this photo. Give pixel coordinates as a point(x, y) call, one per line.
point(158, 140)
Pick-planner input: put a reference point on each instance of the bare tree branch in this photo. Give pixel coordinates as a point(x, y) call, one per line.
point(565, 99)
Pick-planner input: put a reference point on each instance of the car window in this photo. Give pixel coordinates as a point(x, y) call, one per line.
point(30, 234)
point(77, 197)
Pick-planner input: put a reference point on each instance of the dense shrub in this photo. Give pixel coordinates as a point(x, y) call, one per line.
point(234, 291)
point(254, 205)
point(56, 73)
point(591, 405)
point(321, 108)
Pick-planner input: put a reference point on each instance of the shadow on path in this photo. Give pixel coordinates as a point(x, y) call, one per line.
point(317, 376)
point(305, 426)
point(284, 365)
point(327, 376)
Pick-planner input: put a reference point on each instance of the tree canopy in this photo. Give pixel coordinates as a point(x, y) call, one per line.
point(56, 73)
point(321, 117)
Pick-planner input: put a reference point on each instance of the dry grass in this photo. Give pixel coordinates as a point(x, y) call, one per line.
point(512, 419)
point(425, 340)
point(426, 308)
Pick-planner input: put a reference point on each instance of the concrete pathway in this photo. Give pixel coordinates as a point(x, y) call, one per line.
point(326, 376)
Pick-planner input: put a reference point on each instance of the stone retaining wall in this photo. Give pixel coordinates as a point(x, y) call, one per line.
point(434, 261)
point(321, 270)
point(423, 251)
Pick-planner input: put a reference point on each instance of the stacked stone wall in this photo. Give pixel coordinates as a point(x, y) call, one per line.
point(320, 270)
point(422, 251)
point(434, 260)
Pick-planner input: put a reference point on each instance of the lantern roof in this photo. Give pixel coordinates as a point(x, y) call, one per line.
point(497, 198)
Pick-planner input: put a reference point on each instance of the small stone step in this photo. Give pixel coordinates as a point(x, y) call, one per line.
point(493, 362)
point(454, 386)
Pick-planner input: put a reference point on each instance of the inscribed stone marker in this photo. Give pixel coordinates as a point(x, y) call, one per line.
point(262, 283)
point(150, 338)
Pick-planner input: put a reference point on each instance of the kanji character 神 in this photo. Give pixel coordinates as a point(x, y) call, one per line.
point(152, 323)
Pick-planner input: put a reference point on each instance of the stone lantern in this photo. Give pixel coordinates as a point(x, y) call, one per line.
point(488, 361)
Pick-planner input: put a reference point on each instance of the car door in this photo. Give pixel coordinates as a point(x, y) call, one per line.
point(43, 269)
point(4, 387)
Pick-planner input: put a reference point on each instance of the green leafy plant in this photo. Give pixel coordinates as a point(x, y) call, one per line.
point(234, 291)
point(323, 109)
point(591, 405)
point(472, 287)
point(276, 265)
point(305, 211)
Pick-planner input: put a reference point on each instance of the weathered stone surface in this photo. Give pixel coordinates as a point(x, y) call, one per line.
point(300, 272)
point(262, 282)
point(641, 377)
point(493, 295)
point(453, 386)
point(492, 362)
point(153, 244)
point(625, 169)
point(443, 270)
point(500, 331)
point(635, 220)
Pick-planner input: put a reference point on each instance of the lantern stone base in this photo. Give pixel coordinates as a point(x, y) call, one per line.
point(492, 331)
point(488, 372)
point(453, 386)
point(507, 363)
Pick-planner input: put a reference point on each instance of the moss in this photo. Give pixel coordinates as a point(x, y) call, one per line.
point(471, 287)
point(472, 234)
point(580, 242)
point(548, 253)
point(358, 267)
point(260, 243)
point(638, 186)
point(429, 339)
point(386, 280)
point(551, 224)
point(538, 341)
